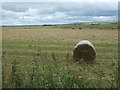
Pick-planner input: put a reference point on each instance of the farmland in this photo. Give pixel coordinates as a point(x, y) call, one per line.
point(41, 57)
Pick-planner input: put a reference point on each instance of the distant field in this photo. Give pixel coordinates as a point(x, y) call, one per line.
point(41, 57)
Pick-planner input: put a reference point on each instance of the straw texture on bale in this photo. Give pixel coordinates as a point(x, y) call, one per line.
point(84, 49)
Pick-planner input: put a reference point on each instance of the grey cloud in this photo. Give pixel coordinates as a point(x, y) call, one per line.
point(16, 7)
point(49, 12)
point(8, 15)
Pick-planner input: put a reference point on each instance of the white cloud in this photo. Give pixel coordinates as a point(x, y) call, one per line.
point(52, 13)
point(105, 18)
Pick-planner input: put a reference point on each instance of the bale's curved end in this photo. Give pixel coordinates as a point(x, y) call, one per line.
point(84, 49)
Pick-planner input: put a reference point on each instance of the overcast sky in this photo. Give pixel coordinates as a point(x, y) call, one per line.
point(38, 13)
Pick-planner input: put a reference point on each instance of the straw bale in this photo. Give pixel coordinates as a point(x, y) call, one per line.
point(84, 49)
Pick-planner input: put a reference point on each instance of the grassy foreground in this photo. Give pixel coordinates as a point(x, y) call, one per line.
point(50, 64)
point(41, 57)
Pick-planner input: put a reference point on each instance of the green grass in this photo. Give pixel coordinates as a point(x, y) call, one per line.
point(55, 43)
point(38, 69)
point(45, 64)
point(55, 48)
point(59, 55)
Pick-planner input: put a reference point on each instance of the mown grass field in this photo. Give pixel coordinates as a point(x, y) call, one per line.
point(41, 57)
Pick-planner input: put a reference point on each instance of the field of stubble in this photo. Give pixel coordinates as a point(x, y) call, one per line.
point(41, 57)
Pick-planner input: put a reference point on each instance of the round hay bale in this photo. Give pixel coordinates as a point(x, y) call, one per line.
point(84, 49)
point(73, 28)
point(113, 28)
